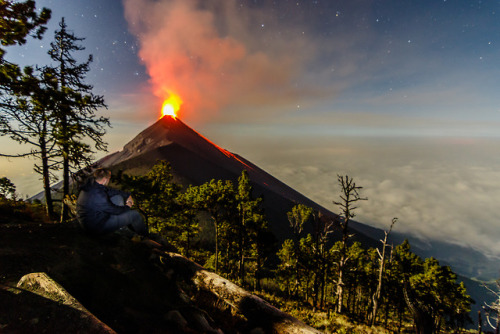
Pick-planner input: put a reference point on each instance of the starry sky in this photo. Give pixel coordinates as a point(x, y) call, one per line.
point(402, 95)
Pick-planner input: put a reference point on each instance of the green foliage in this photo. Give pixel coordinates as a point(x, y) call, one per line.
point(155, 195)
point(18, 19)
point(299, 215)
point(17, 211)
point(429, 283)
point(217, 198)
point(285, 273)
point(431, 289)
point(240, 232)
point(7, 188)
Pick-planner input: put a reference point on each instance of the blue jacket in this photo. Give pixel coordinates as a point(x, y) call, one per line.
point(94, 206)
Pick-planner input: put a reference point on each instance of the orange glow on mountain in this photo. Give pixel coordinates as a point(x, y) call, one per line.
point(224, 151)
point(171, 105)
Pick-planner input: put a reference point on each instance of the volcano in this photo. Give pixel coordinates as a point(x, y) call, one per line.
point(195, 160)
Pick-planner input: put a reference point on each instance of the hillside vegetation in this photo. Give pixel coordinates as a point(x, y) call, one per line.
point(130, 290)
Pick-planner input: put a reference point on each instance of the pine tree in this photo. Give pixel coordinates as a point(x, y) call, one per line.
point(18, 20)
point(431, 292)
point(218, 199)
point(7, 188)
point(251, 222)
point(76, 107)
point(28, 119)
point(297, 217)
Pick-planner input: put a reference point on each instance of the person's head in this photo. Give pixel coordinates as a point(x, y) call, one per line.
point(102, 176)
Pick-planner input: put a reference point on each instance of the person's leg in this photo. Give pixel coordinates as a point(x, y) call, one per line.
point(130, 218)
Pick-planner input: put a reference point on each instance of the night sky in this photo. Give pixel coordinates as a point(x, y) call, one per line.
point(401, 95)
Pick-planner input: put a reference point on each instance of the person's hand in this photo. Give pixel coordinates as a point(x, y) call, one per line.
point(129, 202)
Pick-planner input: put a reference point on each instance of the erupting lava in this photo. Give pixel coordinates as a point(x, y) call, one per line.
point(171, 106)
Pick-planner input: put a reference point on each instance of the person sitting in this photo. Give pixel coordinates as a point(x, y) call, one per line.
point(101, 209)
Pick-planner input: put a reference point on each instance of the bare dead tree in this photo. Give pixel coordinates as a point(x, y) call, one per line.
point(493, 310)
point(348, 198)
point(378, 292)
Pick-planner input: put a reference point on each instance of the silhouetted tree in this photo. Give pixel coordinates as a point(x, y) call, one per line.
point(76, 106)
point(28, 118)
point(493, 309)
point(18, 20)
point(348, 198)
point(18, 89)
point(7, 188)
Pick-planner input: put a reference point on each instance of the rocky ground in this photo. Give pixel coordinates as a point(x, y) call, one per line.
point(122, 283)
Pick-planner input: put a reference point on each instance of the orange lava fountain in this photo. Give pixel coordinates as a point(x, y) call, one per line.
point(171, 106)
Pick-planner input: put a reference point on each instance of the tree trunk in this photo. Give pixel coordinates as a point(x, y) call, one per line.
point(378, 292)
point(422, 318)
point(479, 323)
point(216, 247)
point(340, 285)
point(64, 208)
point(258, 269)
point(46, 180)
point(257, 311)
point(376, 295)
point(241, 252)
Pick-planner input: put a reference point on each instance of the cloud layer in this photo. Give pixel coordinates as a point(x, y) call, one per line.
point(440, 189)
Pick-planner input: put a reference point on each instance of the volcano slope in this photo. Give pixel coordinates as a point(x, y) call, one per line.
point(196, 160)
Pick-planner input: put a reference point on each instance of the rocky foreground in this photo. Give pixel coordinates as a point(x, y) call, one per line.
point(56, 279)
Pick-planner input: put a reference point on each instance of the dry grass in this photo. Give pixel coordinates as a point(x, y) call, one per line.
point(328, 322)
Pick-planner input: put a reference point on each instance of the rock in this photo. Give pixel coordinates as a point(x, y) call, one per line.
point(42, 285)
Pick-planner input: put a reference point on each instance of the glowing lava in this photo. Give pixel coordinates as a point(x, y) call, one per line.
point(171, 106)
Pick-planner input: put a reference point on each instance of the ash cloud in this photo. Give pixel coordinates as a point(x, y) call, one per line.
point(216, 54)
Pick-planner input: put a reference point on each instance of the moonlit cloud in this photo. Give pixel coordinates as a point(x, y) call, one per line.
point(440, 189)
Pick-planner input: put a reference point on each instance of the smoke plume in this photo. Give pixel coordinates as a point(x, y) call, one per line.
point(215, 54)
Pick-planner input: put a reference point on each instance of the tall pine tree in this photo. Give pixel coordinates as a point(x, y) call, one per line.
point(76, 107)
point(27, 119)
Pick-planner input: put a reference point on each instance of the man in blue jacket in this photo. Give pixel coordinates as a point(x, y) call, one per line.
point(101, 209)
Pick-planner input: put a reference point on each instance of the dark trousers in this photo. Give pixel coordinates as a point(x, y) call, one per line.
point(132, 219)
